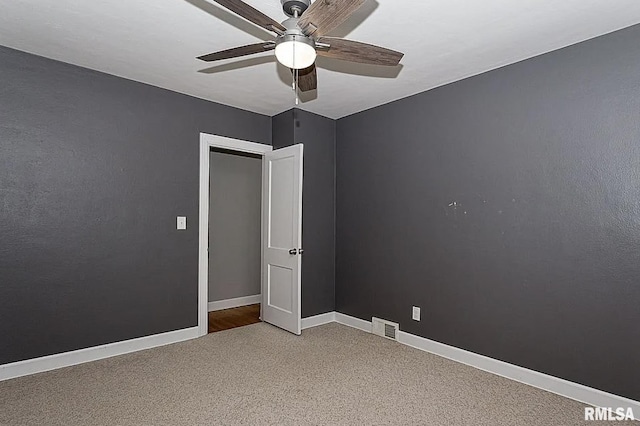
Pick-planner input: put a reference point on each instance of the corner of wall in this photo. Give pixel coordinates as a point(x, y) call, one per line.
point(281, 130)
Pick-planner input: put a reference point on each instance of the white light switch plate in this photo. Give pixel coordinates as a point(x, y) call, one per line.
point(416, 313)
point(182, 222)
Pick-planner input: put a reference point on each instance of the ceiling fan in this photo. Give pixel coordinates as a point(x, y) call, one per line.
point(301, 37)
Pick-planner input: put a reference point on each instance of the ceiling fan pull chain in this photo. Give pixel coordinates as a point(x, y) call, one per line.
point(295, 74)
point(295, 86)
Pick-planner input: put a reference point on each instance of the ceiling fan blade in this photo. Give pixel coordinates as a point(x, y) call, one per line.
point(239, 51)
point(355, 51)
point(324, 15)
point(250, 14)
point(307, 78)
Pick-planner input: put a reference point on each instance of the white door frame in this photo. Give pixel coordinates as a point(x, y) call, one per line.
point(208, 141)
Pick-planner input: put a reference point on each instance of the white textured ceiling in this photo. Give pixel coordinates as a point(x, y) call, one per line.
point(156, 42)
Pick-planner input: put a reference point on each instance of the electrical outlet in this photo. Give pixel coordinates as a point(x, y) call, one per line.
point(416, 313)
point(181, 223)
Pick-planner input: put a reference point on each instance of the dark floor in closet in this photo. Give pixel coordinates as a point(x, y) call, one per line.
point(234, 317)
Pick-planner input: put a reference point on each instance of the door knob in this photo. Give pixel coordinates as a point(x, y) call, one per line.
point(300, 251)
point(293, 252)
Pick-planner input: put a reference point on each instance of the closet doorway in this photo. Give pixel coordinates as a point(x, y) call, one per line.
point(250, 234)
point(235, 222)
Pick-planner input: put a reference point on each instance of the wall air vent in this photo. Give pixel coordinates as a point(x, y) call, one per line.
point(384, 328)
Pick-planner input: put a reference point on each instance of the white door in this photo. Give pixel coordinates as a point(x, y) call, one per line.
point(282, 237)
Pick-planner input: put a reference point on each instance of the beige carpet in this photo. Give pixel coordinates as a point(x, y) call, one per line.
point(260, 375)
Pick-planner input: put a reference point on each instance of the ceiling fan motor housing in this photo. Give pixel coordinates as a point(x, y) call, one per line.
point(291, 6)
point(293, 32)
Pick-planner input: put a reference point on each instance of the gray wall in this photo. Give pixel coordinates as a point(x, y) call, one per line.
point(318, 203)
point(235, 195)
point(506, 206)
point(94, 170)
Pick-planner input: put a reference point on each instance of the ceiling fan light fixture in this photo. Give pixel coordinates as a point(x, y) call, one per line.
point(295, 52)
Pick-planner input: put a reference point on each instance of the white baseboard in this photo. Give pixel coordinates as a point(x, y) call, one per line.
point(353, 322)
point(66, 359)
point(234, 303)
point(317, 320)
point(533, 378)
